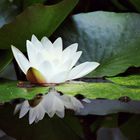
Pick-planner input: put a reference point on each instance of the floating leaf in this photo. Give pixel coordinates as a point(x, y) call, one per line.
point(112, 39)
point(9, 90)
point(132, 80)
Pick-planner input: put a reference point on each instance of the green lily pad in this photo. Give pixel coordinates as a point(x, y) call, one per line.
point(9, 90)
point(132, 80)
point(99, 90)
point(107, 38)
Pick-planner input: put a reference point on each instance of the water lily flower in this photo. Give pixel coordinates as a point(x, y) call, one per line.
point(35, 108)
point(56, 103)
point(48, 63)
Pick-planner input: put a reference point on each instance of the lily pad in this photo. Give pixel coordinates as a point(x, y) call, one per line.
point(9, 90)
point(105, 37)
point(132, 80)
point(100, 90)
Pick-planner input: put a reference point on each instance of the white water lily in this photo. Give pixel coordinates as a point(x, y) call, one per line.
point(36, 113)
point(56, 103)
point(48, 63)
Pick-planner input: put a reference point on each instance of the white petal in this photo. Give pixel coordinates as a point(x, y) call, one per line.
point(76, 103)
point(58, 45)
point(36, 42)
point(70, 51)
point(32, 115)
point(40, 58)
point(72, 48)
point(59, 77)
point(51, 113)
point(21, 59)
point(67, 101)
point(17, 108)
point(82, 70)
point(65, 66)
point(46, 43)
point(76, 58)
point(59, 107)
point(71, 102)
point(53, 104)
point(86, 100)
point(60, 114)
point(47, 70)
point(40, 112)
point(24, 109)
point(32, 52)
point(48, 104)
point(48, 98)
